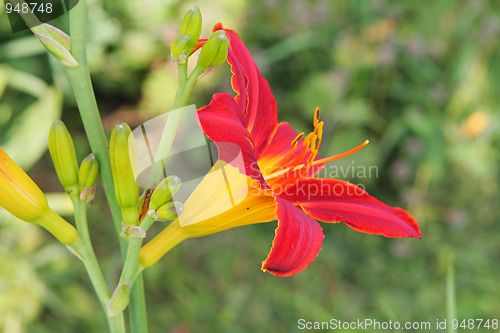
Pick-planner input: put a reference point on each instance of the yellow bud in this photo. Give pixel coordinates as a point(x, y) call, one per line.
point(214, 52)
point(62, 151)
point(164, 191)
point(123, 155)
point(18, 193)
point(23, 198)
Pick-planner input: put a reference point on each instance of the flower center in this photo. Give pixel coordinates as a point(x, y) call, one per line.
point(307, 158)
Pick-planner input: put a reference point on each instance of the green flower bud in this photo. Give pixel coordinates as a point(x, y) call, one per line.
point(214, 52)
point(179, 49)
point(191, 26)
point(56, 42)
point(87, 176)
point(62, 151)
point(59, 36)
point(123, 156)
point(169, 211)
point(164, 191)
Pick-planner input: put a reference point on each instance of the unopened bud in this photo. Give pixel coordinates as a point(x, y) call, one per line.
point(180, 49)
point(23, 198)
point(164, 191)
point(169, 211)
point(87, 176)
point(56, 42)
point(58, 35)
point(214, 52)
point(123, 156)
point(62, 151)
point(191, 26)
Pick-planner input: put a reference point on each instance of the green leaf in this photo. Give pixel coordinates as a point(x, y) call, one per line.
point(26, 138)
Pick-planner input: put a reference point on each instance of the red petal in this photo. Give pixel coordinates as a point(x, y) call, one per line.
point(297, 242)
point(332, 200)
point(200, 43)
point(254, 94)
point(222, 122)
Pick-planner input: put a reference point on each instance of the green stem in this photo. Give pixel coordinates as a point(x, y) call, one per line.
point(81, 219)
point(80, 81)
point(84, 248)
point(137, 309)
point(81, 84)
point(182, 70)
point(116, 323)
point(131, 266)
point(188, 88)
point(130, 273)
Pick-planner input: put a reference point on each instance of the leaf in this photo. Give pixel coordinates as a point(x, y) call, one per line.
point(26, 140)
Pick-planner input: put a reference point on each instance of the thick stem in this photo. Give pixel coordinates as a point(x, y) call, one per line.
point(79, 78)
point(81, 84)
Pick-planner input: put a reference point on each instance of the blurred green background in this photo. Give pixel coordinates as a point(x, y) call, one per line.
point(420, 81)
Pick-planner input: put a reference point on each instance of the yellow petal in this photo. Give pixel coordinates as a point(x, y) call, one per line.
point(217, 204)
point(18, 193)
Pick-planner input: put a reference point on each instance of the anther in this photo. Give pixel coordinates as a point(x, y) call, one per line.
point(297, 138)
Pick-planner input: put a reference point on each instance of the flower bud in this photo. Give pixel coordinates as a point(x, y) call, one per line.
point(87, 176)
point(59, 36)
point(180, 49)
point(169, 211)
point(62, 151)
point(23, 198)
point(123, 157)
point(18, 193)
point(191, 26)
point(164, 191)
point(214, 52)
point(56, 42)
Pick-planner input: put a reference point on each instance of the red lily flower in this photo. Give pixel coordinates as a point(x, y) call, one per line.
point(279, 166)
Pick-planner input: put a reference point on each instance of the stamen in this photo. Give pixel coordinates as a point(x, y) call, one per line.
point(311, 158)
point(344, 154)
point(316, 117)
point(313, 144)
point(307, 140)
point(321, 161)
point(297, 138)
point(320, 135)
